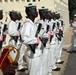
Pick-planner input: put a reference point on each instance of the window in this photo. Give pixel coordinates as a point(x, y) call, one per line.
point(28, 0)
point(11, 0)
point(17, 0)
point(23, 0)
point(34, 0)
point(0, 0)
point(5, 0)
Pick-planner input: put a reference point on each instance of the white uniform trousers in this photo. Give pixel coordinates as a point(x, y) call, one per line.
point(72, 41)
point(34, 62)
point(59, 51)
point(45, 61)
point(53, 46)
point(52, 56)
point(23, 49)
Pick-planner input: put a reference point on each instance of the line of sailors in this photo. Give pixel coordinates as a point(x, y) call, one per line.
point(40, 42)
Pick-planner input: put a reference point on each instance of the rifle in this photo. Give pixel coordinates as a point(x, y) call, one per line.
point(16, 37)
point(62, 23)
point(52, 30)
point(19, 26)
point(4, 29)
point(58, 35)
point(47, 29)
point(33, 46)
point(62, 26)
point(58, 24)
point(44, 40)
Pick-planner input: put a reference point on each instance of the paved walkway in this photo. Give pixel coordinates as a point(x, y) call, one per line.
point(65, 55)
point(70, 68)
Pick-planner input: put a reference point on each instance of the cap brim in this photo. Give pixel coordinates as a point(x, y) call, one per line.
point(43, 9)
point(1, 8)
point(30, 6)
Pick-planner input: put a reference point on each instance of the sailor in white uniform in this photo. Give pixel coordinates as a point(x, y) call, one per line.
point(12, 28)
point(45, 38)
point(53, 44)
point(31, 41)
point(1, 31)
point(70, 49)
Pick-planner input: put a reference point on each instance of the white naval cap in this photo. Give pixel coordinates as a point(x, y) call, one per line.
point(30, 5)
point(74, 15)
point(57, 12)
point(43, 8)
point(1, 9)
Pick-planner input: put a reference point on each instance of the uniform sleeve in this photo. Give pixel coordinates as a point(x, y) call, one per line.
point(74, 25)
point(28, 37)
point(12, 30)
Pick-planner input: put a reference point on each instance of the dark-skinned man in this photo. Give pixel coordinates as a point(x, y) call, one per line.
point(31, 41)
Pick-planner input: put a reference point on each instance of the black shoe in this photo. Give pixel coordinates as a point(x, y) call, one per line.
point(60, 62)
point(57, 69)
point(22, 70)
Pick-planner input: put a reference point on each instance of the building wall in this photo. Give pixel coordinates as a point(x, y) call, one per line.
point(19, 5)
point(55, 5)
point(62, 7)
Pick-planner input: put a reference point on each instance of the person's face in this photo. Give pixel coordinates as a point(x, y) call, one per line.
point(34, 12)
point(44, 14)
point(49, 15)
point(1, 15)
point(75, 19)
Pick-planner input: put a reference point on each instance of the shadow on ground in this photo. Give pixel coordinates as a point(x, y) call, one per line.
point(70, 68)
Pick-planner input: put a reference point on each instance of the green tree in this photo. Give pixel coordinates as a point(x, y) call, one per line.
point(72, 7)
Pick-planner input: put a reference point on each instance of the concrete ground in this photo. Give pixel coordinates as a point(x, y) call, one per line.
point(65, 55)
point(70, 69)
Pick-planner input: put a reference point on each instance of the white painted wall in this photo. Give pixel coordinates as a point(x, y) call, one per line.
point(62, 7)
point(55, 5)
point(19, 6)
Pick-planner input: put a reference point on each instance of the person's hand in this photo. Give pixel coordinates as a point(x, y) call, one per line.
point(1, 37)
point(47, 37)
point(57, 30)
point(37, 41)
point(6, 31)
point(52, 33)
point(18, 34)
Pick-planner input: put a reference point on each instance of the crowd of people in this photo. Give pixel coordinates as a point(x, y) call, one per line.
point(40, 42)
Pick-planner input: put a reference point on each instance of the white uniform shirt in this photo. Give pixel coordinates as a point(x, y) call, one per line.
point(74, 26)
point(28, 32)
point(53, 32)
point(12, 28)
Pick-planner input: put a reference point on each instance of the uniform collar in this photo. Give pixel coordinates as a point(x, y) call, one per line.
point(29, 20)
